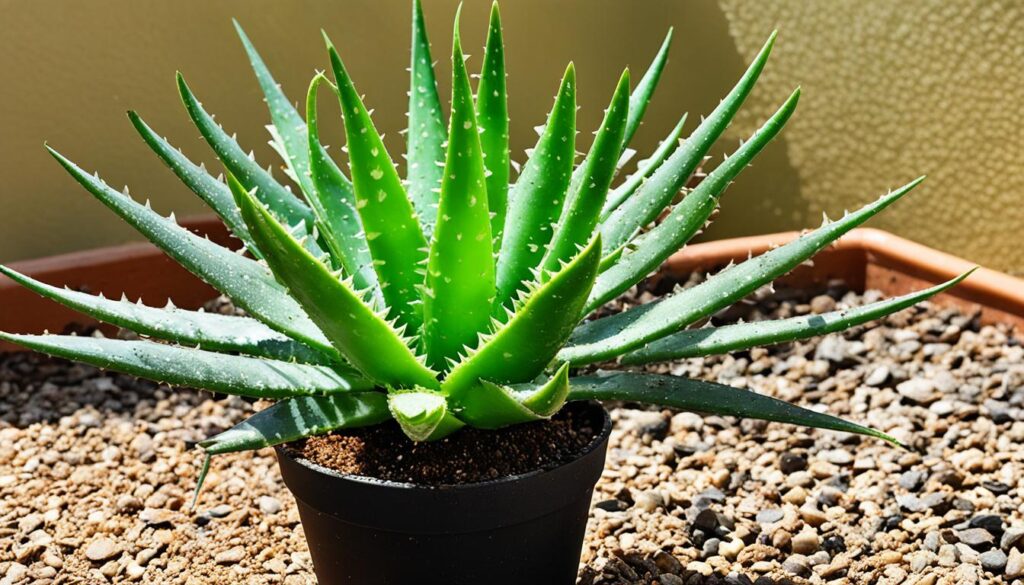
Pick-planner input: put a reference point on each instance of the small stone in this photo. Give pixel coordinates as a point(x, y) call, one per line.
point(1011, 537)
point(797, 565)
point(912, 480)
point(706, 520)
point(610, 505)
point(791, 462)
point(667, 563)
point(648, 501)
point(110, 569)
point(101, 549)
point(819, 558)
point(127, 503)
point(796, 496)
point(769, 516)
point(699, 567)
point(991, 522)
point(837, 456)
point(976, 537)
point(781, 539)
point(731, 549)
point(931, 541)
point(806, 542)
point(670, 580)
point(822, 304)
point(269, 505)
point(29, 523)
point(134, 571)
point(220, 511)
point(156, 516)
point(918, 390)
point(52, 559)
point(948, 556)
point(230, 556)
point(888, 557)
point(15, 572)
point(1015, 564)
point(877, 377)
point(710, 548)
point(994, 561)
point(812, 515)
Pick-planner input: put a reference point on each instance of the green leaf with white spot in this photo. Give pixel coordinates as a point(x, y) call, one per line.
point(247, 283)
point(617, 334)
point(425, 137)
point(210, 331)
point(590, 183)
point(459, 290)
point(303, 416)
point(196, 368)
point(273, 194)
point(655, 194)
point(526, 343)
point(492, 117)
point(727, 338)
point(647, 252)
point(393, 232)
point(537, 199)
point(364, 337)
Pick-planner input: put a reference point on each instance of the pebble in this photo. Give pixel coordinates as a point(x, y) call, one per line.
point(792, 462)
point(918, 390)
point(101, 549)
point(269, 505)
point(648, 501)
point(230, 556)
point(1011, 537)
point(993, 561)
point(1015, 564)
point(805, 542)
point(769, 516)
point(797, 565)
point(912, 480)
point(975, 537)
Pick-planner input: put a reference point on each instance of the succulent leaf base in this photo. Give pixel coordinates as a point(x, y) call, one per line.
point(459, 294)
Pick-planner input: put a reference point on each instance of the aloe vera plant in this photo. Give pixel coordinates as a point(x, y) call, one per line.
point(454, 294)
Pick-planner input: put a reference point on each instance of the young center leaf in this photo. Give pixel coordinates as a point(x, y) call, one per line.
point(425, 137)
point(492, 117)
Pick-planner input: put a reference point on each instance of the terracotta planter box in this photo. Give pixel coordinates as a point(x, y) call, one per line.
point(864, 259)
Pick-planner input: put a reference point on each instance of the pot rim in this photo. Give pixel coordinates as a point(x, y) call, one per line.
point(598, 439)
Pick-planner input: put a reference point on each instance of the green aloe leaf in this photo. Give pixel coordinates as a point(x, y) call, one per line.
point(525, 344)
point(536, 201)
point(213, 192)
point(589, 186)
point(492, 117)
point(334, 203)
point(423, 415)
point(303, 416)
point(657, 192)
point(708, 397)
point(393, 232)
point(618, 334)
point(641, 97)
point(195, 368)
point(687, 218)
point(364, 337)
point(247, 283)
point(717, 340)
point(492, 406)
point(424, 150)
point(279, 198)
point(209, 331)
point(644, 170)
point(459, 290)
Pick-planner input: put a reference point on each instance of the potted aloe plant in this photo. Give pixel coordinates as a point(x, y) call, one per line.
point(458, 297)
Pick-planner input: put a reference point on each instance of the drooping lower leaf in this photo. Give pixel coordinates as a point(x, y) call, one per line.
point(492, 406)
point(424, 150)
point(246, 282)
point(536, 200)
point(209, 331)
point(196, 368)
point(459, 290)
point(657, 192)
point(246, 170)
point(492, 117)
point(213, 192)
point(615, 335)
point(644, 170)
point(590, 182)
point(364, 337)
point(393, 230)
point(687, 218)
point(727, 338)
point(526, 343)
point(708, 397)
point(304, 416)
point(423, 415)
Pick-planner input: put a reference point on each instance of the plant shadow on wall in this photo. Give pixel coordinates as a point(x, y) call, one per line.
point(452, 303)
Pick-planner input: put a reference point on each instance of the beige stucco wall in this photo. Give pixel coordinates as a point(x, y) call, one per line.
point(892, 90)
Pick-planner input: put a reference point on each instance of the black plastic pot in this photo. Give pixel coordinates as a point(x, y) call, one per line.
point(519, 530)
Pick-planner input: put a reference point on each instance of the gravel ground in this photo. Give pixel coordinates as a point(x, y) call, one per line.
point(96, 471)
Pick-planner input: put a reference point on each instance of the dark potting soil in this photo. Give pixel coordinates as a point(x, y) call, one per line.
point(468, 456)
